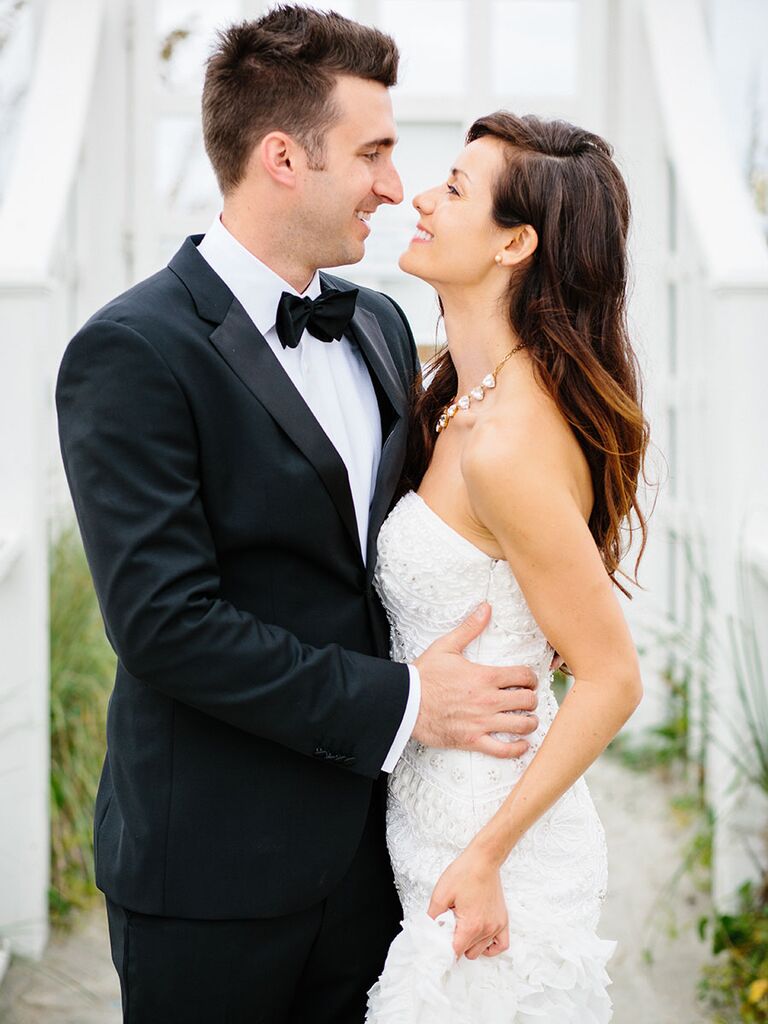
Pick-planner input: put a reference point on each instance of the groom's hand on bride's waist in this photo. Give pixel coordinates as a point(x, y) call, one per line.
point(462, 703)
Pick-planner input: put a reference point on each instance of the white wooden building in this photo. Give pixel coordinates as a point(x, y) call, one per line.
point(104, 174)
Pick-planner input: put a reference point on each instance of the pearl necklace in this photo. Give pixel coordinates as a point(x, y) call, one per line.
point(478, 393)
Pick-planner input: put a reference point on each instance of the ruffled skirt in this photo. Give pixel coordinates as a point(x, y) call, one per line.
point(552, 973)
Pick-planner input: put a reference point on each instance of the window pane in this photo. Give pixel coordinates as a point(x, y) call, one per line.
point(672, 327)
point(429, 34)
point(672, 549)
point(17, 47)
point(672, 450)
point(184, 179)
point(185, 32)
point(535, 47)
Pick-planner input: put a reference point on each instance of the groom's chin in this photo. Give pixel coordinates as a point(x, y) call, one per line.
point(348, 256)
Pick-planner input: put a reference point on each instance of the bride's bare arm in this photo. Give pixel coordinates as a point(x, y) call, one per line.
point(526, 496)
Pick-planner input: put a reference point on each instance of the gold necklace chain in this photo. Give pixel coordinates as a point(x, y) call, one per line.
point(476, 393)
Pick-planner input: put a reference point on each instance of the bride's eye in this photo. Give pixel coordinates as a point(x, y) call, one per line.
point(452, 190)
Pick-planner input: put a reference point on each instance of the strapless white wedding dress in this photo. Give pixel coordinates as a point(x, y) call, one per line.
point(430, 578)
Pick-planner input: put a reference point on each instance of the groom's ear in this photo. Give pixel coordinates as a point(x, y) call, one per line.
point(277, 155)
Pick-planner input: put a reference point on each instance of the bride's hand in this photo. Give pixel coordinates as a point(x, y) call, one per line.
point(471, 887)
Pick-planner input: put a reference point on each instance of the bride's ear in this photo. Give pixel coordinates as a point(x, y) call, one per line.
point(522, 244)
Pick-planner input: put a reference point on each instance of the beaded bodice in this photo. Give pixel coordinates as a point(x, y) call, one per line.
point(430, 579)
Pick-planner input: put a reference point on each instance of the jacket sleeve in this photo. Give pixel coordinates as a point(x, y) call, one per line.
point(130, 452)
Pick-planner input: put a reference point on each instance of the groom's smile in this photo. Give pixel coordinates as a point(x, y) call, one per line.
point(364, 216)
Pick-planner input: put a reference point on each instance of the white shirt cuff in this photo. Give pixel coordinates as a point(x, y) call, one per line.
point(409, 720)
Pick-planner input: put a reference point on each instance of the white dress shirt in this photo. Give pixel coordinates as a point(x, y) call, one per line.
point(332, 379)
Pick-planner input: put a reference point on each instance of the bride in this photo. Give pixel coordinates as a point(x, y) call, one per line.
point(526, 451)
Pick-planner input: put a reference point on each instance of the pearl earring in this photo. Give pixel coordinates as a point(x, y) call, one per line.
point(498, 257)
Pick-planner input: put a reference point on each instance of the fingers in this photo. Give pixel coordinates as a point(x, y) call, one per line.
point(510, 722)
point(513, 724)
point(518, 698)
point(507, 677)
point(465, 938)
point(502, 749)
point(436, 907)
point(473, 942)
point(499, 944)
point(478, 949)
point(461, 637)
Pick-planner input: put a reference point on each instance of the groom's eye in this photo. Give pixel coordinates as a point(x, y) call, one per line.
point(371, 156)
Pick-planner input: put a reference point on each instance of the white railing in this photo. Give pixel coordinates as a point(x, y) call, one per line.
point(35, 295)
point(703, 308)
point(48, 149)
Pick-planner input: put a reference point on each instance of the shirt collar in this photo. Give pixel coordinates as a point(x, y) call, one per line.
point(255, 285)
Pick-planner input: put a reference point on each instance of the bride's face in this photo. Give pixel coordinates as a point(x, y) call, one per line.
point(456, 241)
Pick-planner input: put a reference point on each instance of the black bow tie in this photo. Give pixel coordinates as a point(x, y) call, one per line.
point(326, 318)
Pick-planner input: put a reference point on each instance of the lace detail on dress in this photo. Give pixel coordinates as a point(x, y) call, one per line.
point(430, 578)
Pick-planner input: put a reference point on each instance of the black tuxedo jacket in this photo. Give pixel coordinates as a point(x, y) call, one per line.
point(254, 703)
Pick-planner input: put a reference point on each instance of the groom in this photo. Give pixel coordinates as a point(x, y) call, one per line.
point(233, 431)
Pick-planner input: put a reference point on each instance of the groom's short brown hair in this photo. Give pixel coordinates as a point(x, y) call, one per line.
point(277, 73)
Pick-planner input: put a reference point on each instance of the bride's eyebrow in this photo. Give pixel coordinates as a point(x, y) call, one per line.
point(455, 171)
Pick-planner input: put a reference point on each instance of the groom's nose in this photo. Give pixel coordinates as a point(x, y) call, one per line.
point(388, 186)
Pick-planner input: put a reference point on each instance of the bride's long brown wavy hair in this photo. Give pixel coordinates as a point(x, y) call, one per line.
point(568, 302)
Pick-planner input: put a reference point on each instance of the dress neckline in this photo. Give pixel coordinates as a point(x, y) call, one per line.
point(459, 537)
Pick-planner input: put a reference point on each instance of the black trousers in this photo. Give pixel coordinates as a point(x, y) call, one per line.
point(315, 965)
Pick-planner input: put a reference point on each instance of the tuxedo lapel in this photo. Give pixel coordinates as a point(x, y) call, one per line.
point(367, 333)
point(248, 354)
point(390, 468)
